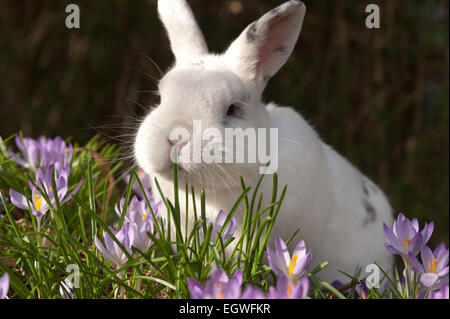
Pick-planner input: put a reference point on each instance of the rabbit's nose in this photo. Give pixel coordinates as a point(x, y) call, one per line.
point(172, 142)
point(179, 143)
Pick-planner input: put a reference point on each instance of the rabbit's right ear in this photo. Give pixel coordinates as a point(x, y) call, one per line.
point(185, 37)
point(266, 44)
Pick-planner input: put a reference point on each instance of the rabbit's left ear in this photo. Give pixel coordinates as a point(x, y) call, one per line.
point(185, 37)
point(266, 44)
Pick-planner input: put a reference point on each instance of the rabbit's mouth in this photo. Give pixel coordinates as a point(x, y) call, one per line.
point(198, 175)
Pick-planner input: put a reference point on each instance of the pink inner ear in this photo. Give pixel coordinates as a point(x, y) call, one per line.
point(276, 45)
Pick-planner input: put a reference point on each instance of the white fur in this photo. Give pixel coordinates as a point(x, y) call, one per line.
point(326, 195)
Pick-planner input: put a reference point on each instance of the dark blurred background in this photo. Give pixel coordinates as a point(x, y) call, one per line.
point(379, 96)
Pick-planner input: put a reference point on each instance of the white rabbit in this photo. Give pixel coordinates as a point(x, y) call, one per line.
point(339, 211)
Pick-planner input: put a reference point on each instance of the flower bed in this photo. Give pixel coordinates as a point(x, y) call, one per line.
point(69, 230)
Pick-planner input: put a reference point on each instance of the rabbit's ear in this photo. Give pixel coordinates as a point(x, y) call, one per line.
point(185, 37)
point(266, 44)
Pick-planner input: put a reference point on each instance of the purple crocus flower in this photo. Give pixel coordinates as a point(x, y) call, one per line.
point(251, 292)
point(65, 290)
point(442, 293)
point(405, 236)
point(140, 218)
point(361, 289)
point(57, 151)
point(111, 250)
point(42, 152)
point(39, 204)
point(434, 267)
point(217, 226)
point(30, 150)
point(219, 286)
point(283, 265)
point(146, 184)
point(4, 285)
point(137, 209)
point(286, 289)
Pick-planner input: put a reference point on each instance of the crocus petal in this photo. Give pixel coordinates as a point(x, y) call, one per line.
point(109, 242)
point(443, 272)
point(39, 213)
point(75, 190)
point(251, 292)
point(427, 232)
point(392, 239)
point(229, 231)
point(220, 219)
point(416, 243)
point(18, 141)
point(219, 275)
point(275, 262)
point(442, 259)
point(102, 249)
point(285, 289)
point(392, 250)
point(300, 250)
point(405, 230)
point(362, 290)
point(282, 250)
point(302, 265)
point(429, 279)
point(4, 285)
point(195, 288)
point(281, 290)
point(300, 291)
point(17, 159)
point(427, 255)
point(415, 224)
point(439, 250)
point(415, 263)
point(442, 293)
point(232, 289)
point(156, 208)
point(65, 289)
point(18, 199)
point(238, 276)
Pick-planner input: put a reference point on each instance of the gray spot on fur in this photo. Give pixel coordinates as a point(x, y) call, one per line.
point(370, 210)
point(364, 187)
point(251, 33)
point(275, 11)
point(368, 185)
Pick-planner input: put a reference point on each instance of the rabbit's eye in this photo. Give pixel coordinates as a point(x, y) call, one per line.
point(232, 110)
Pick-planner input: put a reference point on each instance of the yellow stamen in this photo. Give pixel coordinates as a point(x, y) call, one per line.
point(432, 266)
point(37, 201)
point(406, 243)
point(221, 293)
point(289, 290)
point(292, 265)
